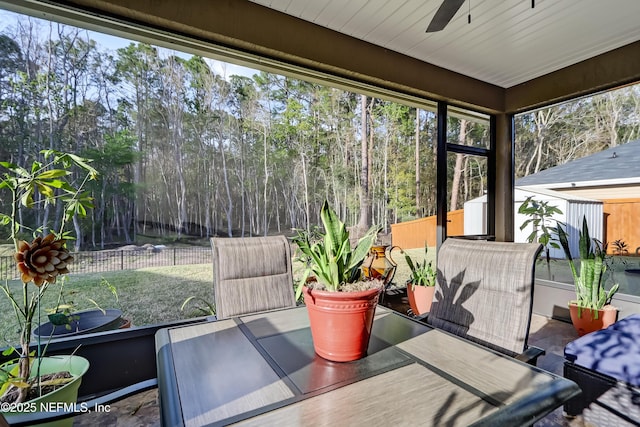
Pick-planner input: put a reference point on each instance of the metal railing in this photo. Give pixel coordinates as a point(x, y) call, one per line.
point(122, 259)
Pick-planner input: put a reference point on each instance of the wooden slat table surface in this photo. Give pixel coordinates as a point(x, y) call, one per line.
point(261, 370)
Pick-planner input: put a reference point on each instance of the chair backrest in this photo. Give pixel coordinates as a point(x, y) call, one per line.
point(251, 274)
point(484, 292)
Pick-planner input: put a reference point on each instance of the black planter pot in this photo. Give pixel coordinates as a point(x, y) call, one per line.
point(82, 322)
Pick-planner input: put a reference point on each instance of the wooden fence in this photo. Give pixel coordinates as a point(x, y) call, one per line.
point(414, 234)
point(622, 222)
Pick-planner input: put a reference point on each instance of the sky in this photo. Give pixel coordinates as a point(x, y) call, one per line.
point(224, 69)
point(106, 41)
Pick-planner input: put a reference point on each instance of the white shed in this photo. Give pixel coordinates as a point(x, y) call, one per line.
point(573, 209)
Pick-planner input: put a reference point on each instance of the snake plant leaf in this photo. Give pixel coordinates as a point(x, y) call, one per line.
point(331, 259)
point(363, 246)
point(303, 280)
point(584, 244)
point(409, 261)
point(332, 227)
point(564, 242)
point(589, 286)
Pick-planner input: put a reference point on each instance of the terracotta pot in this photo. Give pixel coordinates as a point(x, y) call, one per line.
point(341, 322)
point(586, 322)
point(420, 298)
point(124, 323)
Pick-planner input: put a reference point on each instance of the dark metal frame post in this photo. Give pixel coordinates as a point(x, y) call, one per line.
point(441, 177)
point(491, 179)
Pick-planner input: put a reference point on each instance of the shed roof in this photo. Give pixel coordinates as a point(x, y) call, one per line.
point(522, 193)
point(529, 191)
point(616, 165)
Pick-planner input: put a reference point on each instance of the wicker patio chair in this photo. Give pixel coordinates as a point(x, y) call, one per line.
point(251, 274)
point(484, 293)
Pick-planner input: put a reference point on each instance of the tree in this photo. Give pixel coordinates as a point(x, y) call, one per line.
point(540, 214)
point(458, 168)
point(365, 204)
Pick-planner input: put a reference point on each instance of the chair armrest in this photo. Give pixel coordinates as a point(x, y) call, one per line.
point(421, 317)
point(530, 355)
point(29, 419)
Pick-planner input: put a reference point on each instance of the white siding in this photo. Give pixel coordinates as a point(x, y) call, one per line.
point(573, 209)
point(593, 212)
point(475, 216)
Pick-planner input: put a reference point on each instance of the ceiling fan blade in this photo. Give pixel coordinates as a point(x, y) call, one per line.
point(444, 14)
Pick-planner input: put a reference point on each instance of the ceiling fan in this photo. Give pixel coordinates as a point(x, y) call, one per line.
point(444, 14)
point(447, 10)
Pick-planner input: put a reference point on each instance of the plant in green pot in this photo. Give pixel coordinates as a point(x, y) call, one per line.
point(591, 310)
point(421, 284)
point(341, 303)
point(34, 377)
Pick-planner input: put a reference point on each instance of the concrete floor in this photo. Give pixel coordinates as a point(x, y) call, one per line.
point(142, 410)
point(552, 335)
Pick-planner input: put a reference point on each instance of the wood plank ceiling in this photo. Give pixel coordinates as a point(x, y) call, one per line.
point(507, 42)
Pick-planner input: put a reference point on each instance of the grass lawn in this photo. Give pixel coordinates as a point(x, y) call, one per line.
point(148, 295)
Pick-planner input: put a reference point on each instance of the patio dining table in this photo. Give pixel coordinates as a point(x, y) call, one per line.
point(261, 370)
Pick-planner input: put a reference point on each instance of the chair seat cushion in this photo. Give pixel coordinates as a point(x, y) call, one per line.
point(614, 351)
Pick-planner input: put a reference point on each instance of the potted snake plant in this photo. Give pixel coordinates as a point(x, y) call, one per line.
point(421, 284)
point(592, 309)
point(340, 301)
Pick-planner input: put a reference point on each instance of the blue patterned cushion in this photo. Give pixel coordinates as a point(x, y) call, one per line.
point(614, 351)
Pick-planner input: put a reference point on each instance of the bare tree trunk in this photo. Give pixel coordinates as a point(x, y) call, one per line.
point(266, 183)
point(543, 120)
point(306, 192)
point(457, 170)
point(613, 109)
point(78, 241)
point(225, 175)
point(370, 186)
point(385, 202)
point(467, 178)
point(365, 218)
point(418, 212)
